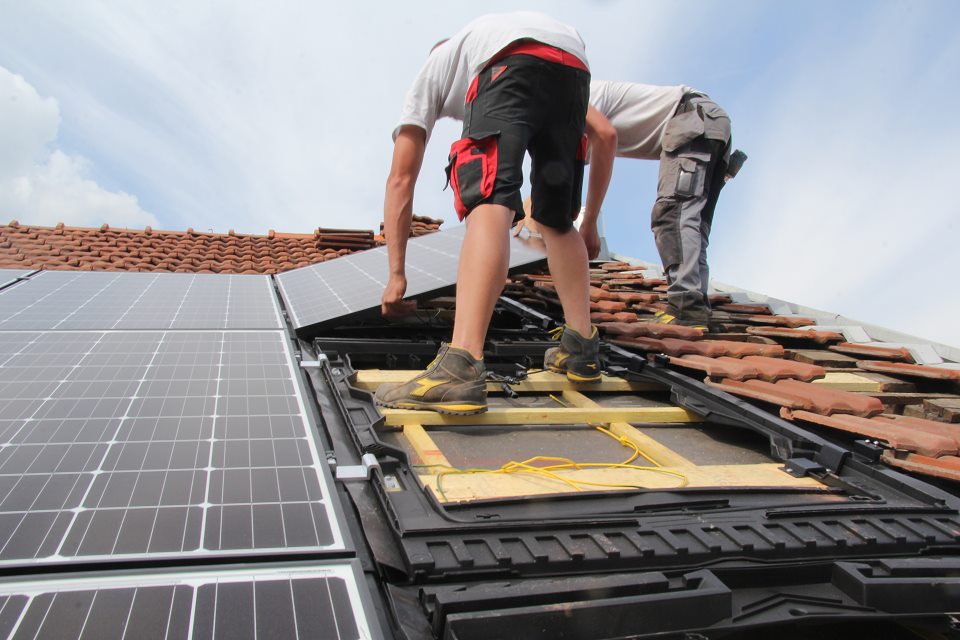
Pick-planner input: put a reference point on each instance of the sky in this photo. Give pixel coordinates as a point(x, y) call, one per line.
point(258, 115)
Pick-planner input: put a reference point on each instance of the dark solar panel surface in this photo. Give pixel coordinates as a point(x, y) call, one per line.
point(307, 602)
point(354, 283)
point(64, 300)
point(156, 443)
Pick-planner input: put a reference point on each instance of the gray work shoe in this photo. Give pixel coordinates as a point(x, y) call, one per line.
point(453, 384)
point(668, 317)
point(576, 356)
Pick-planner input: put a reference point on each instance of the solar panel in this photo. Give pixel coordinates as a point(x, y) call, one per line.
point(59, 300)
point(9, 276)
point(155, 444)
point(354, 283)
point(316, 601)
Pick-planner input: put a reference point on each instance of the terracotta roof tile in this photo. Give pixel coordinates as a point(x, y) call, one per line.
point(943, 467)
point(711, 348)
point(926, 437)
point(797, 395)
point(912, 370)
point(873, 351)
point(107, 248)
point(815, 335)
point(651, 330)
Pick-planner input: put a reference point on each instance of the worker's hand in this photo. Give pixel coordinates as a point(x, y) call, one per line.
point(392, 303)
point(519, 227)
point(591, 239)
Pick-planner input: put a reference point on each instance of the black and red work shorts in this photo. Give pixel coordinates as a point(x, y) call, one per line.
point(523, 103)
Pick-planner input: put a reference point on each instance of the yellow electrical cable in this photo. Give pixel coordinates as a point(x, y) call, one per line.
point(529, 466)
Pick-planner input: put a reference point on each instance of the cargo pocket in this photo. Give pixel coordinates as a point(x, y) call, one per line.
point(716, 122)
point(472, 170)
point(665, 223)
point(682, 129)
point(689, 178)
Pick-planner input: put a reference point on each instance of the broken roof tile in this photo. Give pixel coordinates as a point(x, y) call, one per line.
point(913, 370)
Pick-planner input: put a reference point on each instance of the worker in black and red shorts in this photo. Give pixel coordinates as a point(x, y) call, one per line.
point(520, 83)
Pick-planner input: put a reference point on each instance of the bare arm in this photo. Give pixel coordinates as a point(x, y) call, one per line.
point(408, 151)
point(603, 149)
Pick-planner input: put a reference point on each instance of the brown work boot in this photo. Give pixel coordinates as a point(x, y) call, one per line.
point(576, 356)
point(453, 384)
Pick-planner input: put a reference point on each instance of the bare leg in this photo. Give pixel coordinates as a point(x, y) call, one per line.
point(567, 258)
point(484, 260)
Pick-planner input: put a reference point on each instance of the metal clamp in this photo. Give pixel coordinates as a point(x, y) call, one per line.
point(355, 473)
point(314, 364)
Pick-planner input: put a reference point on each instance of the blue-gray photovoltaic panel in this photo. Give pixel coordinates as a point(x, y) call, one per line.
point(67, 300)
point(8, 276)
point(309, 601)
point(156, 444)
point(354, 283)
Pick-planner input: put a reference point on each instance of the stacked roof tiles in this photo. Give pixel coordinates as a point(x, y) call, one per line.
point(110, 249)
point(420, 226)
point(786, 363)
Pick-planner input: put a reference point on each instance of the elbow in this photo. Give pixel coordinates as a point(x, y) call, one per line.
point(608, 136)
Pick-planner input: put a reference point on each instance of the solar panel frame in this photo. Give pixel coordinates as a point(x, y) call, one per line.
point(48, 481)
point(353, 285)
point(322, 599)
point(10, 276)
point(78, 300)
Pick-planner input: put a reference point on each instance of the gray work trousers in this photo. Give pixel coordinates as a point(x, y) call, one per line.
point(696, 147)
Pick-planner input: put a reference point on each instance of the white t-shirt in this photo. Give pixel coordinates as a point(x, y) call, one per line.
point(440, 88)
point(639, 113)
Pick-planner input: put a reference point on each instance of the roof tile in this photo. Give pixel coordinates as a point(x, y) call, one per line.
point(912, 370)
point(913, 434)
point(873, 351)
point(107, 248)
point(815, 335)
point(794, 394)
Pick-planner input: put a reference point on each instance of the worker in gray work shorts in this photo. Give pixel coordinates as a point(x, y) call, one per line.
point(690, 135)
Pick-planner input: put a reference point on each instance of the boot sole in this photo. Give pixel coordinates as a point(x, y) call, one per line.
point(453, 409)
point(573, 377)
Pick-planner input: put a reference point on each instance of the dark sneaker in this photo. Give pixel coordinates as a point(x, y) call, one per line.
point(664, 317)
point(576, 356)
point(454, 383)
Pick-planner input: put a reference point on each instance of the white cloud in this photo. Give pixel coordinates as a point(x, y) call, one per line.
point(248, 116)
point(43, 185)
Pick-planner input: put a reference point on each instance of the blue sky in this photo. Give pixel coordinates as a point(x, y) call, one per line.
point(277, 115)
